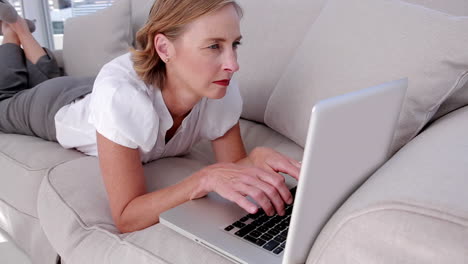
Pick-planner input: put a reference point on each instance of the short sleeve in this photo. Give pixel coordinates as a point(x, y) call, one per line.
point(220, 115)
point(121, 109)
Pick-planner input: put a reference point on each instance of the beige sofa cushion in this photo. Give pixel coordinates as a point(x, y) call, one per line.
point(356, 44)
point(412, 210)
point(93, 40)
point(455, 101)
point(271, 32)
point(24, 161)
point(453, 7)
point(139, 14)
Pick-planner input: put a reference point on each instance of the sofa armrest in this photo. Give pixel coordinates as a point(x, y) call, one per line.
point(412, 210)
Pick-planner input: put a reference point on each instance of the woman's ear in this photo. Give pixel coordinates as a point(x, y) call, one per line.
point(163, 46)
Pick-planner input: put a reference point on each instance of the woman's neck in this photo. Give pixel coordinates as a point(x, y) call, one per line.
point(178, 101)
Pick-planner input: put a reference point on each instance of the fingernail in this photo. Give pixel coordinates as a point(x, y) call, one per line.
point(290, 200)
point(299, 164)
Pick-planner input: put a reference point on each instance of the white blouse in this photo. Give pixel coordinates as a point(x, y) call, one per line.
point(128, 112)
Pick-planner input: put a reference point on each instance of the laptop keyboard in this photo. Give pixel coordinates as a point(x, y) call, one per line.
point(267, 232)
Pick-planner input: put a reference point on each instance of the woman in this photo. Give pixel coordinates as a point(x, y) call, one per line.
point(158, 100)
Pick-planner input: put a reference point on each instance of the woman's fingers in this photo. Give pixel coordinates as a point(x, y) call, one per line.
point(234, 196)
point(258, 195)
point(266, 188)
point(297, 164)
point(267, 157)
point(285, 165)
point(263, 188)
point(277, 183)
point(236, 193)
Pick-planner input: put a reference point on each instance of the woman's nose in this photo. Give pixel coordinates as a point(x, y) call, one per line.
point(230, 62)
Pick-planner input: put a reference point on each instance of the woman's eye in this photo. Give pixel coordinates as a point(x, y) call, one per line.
point(236, 44)
point(214, 46)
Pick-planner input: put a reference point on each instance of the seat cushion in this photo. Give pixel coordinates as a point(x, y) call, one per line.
point(25, 231)
point(412, 210)
point(24, 161)
point(75, 215)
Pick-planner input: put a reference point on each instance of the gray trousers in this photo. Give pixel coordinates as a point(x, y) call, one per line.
point(31, 94)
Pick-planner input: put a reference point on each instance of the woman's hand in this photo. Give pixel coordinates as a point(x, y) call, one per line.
point(272, 161)
point(234, 182)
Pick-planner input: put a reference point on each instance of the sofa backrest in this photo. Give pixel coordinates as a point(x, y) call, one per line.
point(454, 7)
point(353, 45)
point(91, 41)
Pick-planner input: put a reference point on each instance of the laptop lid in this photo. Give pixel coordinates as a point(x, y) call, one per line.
point(348, 139)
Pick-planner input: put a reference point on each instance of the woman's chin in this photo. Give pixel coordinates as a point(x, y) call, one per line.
point(218, 93)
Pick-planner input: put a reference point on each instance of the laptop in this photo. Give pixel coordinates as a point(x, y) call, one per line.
point(348, 139)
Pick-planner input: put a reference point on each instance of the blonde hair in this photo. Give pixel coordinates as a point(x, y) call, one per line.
point(168, 17)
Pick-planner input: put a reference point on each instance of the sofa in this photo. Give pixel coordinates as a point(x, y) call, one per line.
point(412, 209)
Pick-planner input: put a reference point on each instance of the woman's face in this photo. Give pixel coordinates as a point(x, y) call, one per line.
point(205, 56)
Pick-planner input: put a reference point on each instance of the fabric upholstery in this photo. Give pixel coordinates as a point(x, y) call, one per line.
point(455, 101)
point(26, 233)
point(412, 210)
point(271, 34)
point(452, 7)
point(92, 41)
point(24, 161)
point(355, 44)
point(457, 8)
point(75, 214)
point(139, 14)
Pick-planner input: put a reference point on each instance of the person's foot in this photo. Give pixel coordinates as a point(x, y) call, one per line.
point(29, 24)
point(7, 12)
point(9, 35)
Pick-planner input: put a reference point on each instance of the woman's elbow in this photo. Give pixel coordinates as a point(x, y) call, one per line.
point(124, 228)
point(128, 226)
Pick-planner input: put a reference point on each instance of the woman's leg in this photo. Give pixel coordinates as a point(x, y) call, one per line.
point(32, 49)
point(13, 69)
point(40, 62)
point(32, 111)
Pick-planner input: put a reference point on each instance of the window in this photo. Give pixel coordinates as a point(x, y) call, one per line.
point(61, 10)
point(17, 5)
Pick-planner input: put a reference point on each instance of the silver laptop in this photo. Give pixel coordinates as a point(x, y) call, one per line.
point(348, 139)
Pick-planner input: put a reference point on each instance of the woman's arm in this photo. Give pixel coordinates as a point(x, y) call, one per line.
point(229, 148)
point(134, 209)
point(131, 206)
